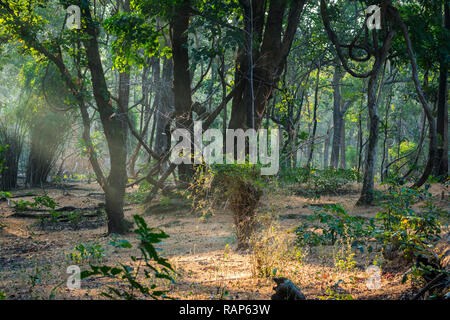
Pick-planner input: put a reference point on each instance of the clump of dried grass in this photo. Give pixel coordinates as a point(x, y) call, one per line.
point(271, 250)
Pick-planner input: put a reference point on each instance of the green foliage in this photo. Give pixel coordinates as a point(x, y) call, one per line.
point(96, 139)
point(140, 194)
point(87, 252)
point(5, 195)
point(331, 294)
point(21, 205)
point(344, 260)
point(74, 218)
point(398, 226)
point(330, 224)
point(38, 202)
point(44, 201)
point(318, 182)
point(136, 39)
point(155, 267)
point(409, 231)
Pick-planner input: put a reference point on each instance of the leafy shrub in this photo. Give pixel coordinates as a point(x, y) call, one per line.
point(329, 181)
point(332, 223)
point(317, 182)
point(139, 196)
point(5, 195)
point(331, 294)
point(21, 205)
point(344, 259)
point(295, 175)
point(44, 201)
point(403, 229)
point(38, 202)
point(87, 252)
point(154, 266)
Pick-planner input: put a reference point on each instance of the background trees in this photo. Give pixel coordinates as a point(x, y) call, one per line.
point(136, 70)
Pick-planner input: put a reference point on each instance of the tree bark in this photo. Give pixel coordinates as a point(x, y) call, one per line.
point(114, 126)
point(337, 118)
point(316, 103)
point(442, 109)
point(259, 67)
point(9, 158)
point(342, 152)
point(326, 148)
point(181, 76)
point(367, 192)
point(163, 108)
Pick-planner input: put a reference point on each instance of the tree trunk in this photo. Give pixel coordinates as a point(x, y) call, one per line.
point(260, 62)
point(181, 77)
point(163, 107)
point(316, 103)
point(337, 119)
point(326, 148)
point(442, 109)
point(367, 192)
point(383, 170)
point(9, 159)
point(114, 125)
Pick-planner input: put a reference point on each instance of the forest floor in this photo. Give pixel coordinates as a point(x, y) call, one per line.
point(35, 252)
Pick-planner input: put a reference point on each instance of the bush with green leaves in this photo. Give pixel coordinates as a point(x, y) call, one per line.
point(87, 252)
point(295, 175)
point(139, 196)
point(404, 229)
point(140, 281)
point(316, 182)
point(332, 223)
point(329, 181)
point(38, 202)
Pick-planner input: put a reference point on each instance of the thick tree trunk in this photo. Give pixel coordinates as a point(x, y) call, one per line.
point(114, 126)
point(163, 108)
point(259, 67)
point(442, 109)
point(367, 192)
point(181, 77)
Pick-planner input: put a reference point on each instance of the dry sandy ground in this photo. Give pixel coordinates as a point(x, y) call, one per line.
point(34, 257)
